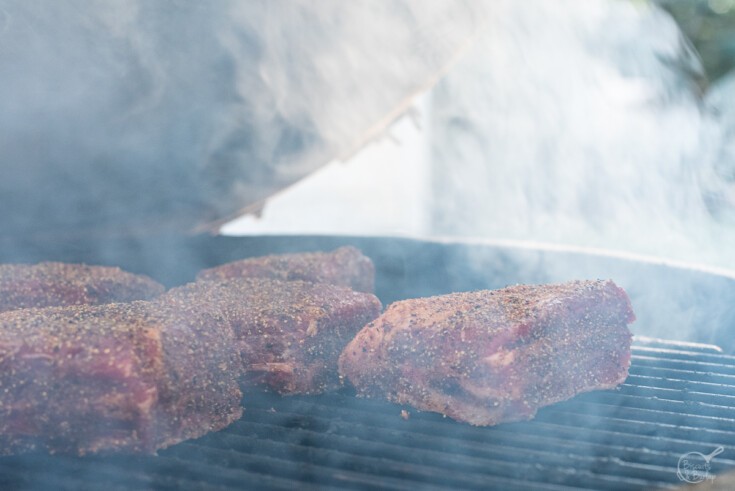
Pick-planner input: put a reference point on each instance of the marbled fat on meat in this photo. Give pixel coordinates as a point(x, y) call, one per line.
point(290, 333)
point(131, 378)
point(50, 284)
point(487, 357)
point(345, 266)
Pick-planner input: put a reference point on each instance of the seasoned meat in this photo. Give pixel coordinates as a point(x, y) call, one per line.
point(130, 378)
point(487, 357)
point(345, 266)
point(50, 284)
point(290, 333)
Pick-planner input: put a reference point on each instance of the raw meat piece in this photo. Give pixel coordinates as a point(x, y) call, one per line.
point(130, 378)
point(345, 266)
point(487, 357)
point(49, 284)
point(290, 333)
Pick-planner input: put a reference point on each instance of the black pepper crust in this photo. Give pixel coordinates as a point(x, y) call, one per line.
point(346, 266)
point(492, 356)
point(130, 378)
point(290, 333)
point(54, 284)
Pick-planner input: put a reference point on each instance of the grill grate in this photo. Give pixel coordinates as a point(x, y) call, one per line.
point(678, 398)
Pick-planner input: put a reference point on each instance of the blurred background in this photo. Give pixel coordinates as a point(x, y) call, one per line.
point(602, 124)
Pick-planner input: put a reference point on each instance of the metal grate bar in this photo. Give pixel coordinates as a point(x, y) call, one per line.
point(690, 365)
point(640, 417)
point(666, 402)
point(683, 386)
point(164, 472)
point(308, 466)
point(651, 389)
point(475, 468)
point(672, 354)
point(631, 420)
point(605, 442)
point(594, 423)
point(464, 447)
point(357, 456)
point(303, 413)
point(645, 341)
point(679, 374)
point(478, 457)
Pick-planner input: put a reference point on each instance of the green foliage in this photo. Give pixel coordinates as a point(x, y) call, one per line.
point(710, 25)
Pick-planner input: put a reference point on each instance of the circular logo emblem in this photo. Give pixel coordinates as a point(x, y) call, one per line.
point(694, 467)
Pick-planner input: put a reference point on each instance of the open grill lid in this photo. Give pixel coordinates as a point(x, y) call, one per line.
point(168, 116)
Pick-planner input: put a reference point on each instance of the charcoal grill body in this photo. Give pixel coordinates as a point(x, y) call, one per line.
point(679, 398)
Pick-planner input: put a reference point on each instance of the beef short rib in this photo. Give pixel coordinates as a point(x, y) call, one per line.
point(54, 284)
point(346, 266)
point(290, 333)
point(487, 357)
point(129, 378)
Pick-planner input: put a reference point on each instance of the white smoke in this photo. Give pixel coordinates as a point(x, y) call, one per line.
point(567, 122)
point(580, 123)
point(117, 113)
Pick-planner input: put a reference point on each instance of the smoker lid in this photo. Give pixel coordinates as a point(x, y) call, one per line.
point(167, 117)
